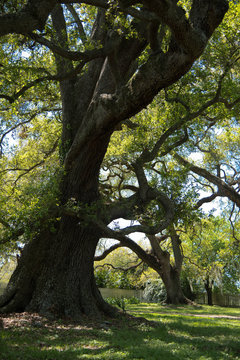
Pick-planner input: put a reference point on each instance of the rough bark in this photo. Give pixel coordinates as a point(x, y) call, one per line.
point(170, 274)
point(171, 279)
point(55, 276)
point(55, 272)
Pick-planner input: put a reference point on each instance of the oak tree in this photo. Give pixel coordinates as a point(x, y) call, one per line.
point(201, 115)
point(109, 60)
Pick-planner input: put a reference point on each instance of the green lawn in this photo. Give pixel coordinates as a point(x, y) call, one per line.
point(179, 334)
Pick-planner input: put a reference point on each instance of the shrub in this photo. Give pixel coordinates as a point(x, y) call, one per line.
point(133, 300)
point(113, 279)
point(155, 291)
point(120, 302)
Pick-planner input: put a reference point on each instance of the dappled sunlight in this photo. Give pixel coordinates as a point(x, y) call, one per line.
point(171, 336)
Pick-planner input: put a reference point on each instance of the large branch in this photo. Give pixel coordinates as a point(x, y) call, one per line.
point(191, 39)
point(32, 16)
point(126, 241)
point(85, 56)
point(157, 250)
point(134, 205)
point(118, 267)
point(224, 188)
point(105, 252)
point(161, 225)
point(159, 71)
point(176, 246)
point(145, 15)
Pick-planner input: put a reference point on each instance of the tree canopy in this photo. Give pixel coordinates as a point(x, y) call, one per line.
point(73, 73)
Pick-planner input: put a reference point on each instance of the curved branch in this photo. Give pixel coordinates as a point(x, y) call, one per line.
point(207, 199)
point(78, 22)
point(32, 16)
point(190, 33)
point(85, 56)
point(178, 143)
point(145, 15)
point(31, 84)
point(224, 188)
point(126, 241)
point(26, 171)
point(106, 252)
point(151, 230)
point(120, 268)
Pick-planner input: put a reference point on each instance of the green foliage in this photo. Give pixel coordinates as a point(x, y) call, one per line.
point(119, 270)
point(29, 180)
point(213, 128)
point(155, 291)
point(122, 302)
point(7, 267)
point(212, 253)
point(110, 278)
point(119, 302)
point(133, 300)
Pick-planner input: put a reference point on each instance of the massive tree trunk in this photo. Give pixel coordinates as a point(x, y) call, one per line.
point(55, 275)
point(55, 272)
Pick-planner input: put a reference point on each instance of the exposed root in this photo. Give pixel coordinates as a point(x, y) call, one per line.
point(7, 299)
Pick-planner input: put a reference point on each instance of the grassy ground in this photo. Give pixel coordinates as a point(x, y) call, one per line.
point(184, 332)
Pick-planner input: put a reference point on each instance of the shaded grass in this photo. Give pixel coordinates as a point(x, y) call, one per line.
point(177, 336)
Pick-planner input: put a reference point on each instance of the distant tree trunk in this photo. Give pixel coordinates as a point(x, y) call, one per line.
point(171, 279)
point(170, 274)
point(208, 286)
point(173, 288)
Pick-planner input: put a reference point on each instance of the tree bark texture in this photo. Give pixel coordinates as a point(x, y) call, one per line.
point(172, 282)
point(170, 273)
point(55, 272)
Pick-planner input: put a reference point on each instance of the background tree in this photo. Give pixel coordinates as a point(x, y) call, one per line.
point(122, 269)
point(109, 61)
point(205, 103)
point(212, 256)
